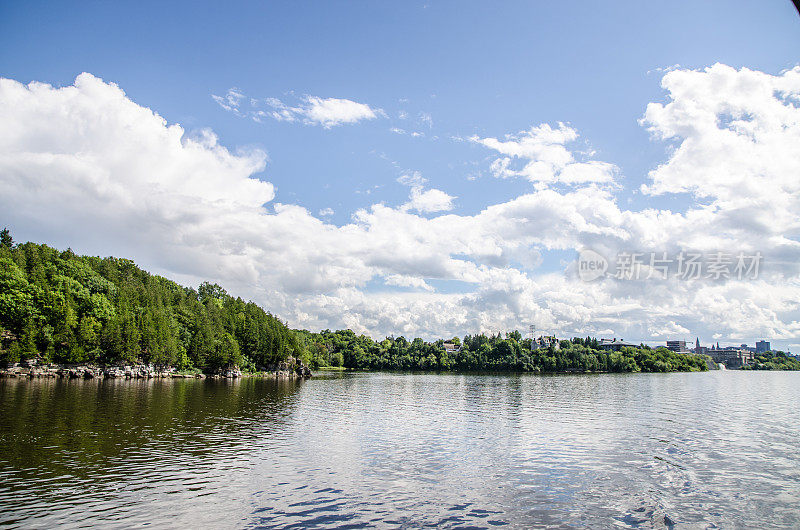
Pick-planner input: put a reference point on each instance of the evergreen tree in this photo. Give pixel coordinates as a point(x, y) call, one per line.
point(5, 239)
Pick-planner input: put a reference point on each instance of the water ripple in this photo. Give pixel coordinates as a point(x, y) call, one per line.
point(404, 450)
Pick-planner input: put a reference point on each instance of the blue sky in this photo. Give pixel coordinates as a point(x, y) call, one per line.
point(448, 71)
point(474, 67)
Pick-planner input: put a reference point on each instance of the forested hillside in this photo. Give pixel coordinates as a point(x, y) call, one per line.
point(62, 307)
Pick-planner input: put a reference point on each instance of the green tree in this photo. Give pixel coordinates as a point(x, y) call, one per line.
point(5, 239)
point(15, 295)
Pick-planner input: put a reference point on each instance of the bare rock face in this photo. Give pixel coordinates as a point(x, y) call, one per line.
point(289, 369)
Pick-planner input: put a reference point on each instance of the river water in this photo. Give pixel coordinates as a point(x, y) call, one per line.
point(697, 450)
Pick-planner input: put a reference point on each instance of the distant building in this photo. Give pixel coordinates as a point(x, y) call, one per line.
point(678, 346)
point(543, 343)
point(702, 350)
point(762, 346)
point(451, 347)
point(616, 345)
point(731, 357)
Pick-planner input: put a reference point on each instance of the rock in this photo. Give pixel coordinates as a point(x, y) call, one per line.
point(114, 372)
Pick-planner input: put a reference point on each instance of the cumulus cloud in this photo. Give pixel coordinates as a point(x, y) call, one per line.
point(86, 159)
point(422, 200)
point(545, 157)
point(736, 135)
point(86, 167)
point(311, 110)
point(738, 152)
point(429, 201)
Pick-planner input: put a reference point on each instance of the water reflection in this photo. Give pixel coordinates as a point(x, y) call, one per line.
point(407, 450)
point(82, 450)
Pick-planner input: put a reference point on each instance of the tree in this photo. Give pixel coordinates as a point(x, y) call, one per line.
point(27, 341)
point(15, 295)
point(210, 291)
point(5, 239)
point(225, 352)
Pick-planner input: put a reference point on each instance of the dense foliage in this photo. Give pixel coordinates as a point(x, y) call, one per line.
point(773, 361)
point(67, 308)
point(493, 353)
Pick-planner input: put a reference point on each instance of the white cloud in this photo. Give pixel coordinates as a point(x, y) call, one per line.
point(325, 212)
point(422, 200)
point(84, 166)
point(332, 111)
point(547, 160)
point(739, 133)
point(413, 134)
point(428, 201)
point(407, 281)
point(427, 119)
point(414, 178)
point(231, 101)
point(312, 110)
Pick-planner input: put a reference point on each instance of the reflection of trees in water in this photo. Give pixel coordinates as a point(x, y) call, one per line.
point(70, 426)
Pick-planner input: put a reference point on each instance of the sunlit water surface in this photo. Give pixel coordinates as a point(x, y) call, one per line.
point(404, 450)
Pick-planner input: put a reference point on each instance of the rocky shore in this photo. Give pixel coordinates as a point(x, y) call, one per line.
point(290, 369)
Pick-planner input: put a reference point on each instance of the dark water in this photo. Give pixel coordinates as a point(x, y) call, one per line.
point(404, 450)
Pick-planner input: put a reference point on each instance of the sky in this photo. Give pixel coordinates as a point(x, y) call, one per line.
point(423, 168)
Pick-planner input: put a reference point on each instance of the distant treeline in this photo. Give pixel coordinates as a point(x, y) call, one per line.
point(511, 353)
point(66, 308)
point(773, 361)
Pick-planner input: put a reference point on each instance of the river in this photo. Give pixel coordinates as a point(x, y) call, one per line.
point(355, 450)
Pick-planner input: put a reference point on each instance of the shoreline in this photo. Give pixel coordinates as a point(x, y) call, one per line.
point(90, 371)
